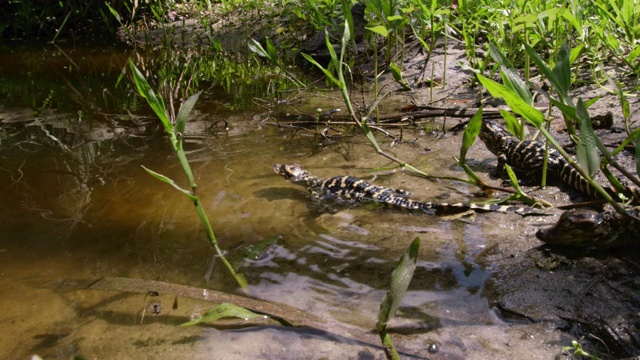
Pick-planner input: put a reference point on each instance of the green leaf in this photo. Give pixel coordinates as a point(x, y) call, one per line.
point(380, 30)
point(575, 53)
point(271, 50)
point(513, 125)
point(326, 72)
point(167, 180)
point(510, 76)
point(255, 47)
point(184, 111)
point(562, 70)
point(470, 134)
point(587, 147)
point(397, 76)
point(156, 103)
point(513, 178)
point(544, 69)
point(514, 101)
point(400, 279)
point(225, 310)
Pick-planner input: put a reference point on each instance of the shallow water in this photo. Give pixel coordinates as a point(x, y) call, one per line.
point(76, 204)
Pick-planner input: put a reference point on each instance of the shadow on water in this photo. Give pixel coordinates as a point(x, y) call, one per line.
point(76, 204)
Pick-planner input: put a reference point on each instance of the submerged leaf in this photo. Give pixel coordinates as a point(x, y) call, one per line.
point(225, 310)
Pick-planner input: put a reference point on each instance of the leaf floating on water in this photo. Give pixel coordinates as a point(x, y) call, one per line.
point(225, 310)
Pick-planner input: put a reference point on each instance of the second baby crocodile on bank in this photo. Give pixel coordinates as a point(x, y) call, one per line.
point(349, 189)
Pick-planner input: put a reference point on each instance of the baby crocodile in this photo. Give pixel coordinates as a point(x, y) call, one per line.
point(349, 189)
point(527, 158)
point(586, 227)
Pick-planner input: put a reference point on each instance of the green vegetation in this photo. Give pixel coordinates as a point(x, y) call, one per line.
point(524, 44)
point(174, 125)
point(400, 280)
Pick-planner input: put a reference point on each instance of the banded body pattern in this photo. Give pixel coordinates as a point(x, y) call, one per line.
point(527, 158)
point(586, 227)
point(352, 189)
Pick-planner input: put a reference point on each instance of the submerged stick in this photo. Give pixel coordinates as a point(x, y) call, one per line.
point(285, 314)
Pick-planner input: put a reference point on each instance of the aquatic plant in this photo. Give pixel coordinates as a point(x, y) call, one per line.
point(400, 280)
point(174, 127)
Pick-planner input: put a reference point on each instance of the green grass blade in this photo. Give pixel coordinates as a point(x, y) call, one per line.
point(544, 69)
point(514, 101)
point(587, 147)
point(326, 72)
point(514, 126)
point(470, 134)
point(169, 181)
point(562, 70)
point(156, 103)
point(510, 76)
point(183, 113)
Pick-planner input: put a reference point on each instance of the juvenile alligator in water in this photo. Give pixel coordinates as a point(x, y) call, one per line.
point(349, 189)
point(586, 227)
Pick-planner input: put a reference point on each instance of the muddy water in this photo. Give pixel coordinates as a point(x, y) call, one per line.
point(76, 205)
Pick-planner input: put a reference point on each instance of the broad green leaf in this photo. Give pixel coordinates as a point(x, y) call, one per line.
point(271, 50)
point(257, 48)
point(562, 70)
point(156, 103)
point(225, 310)
point(510, 77)
point(400, 279)
point(470, 134)
point(592, 101)
point(573, 21)
point(394, 18)
point(514, 101)
point(513, 125)
point(575, 53)
point(544, 69)
point(165, 179)
point(380, 30)
point(587, 147)
point(184, 111)
point(397, 76)
point(633, 55)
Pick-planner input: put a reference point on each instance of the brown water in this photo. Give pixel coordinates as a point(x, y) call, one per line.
point(76, 204)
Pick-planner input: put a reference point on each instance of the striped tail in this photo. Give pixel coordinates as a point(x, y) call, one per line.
point(446, 207)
